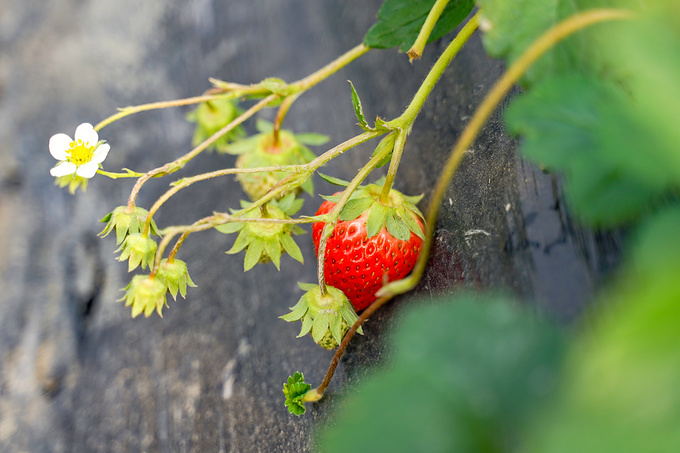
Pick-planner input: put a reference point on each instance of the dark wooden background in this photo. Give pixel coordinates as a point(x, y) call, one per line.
point(76, 373)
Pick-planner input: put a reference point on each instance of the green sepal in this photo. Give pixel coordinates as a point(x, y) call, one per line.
point(290, 204)
point(291, 247)
point(333, 180)
point(230, 227)
point(297, 311)
point(272, 247)
point(263, 126)
point(358, 109)
point(320, 326)
point(354, 208)
point(397, 227)
point(240, 146)
point(335, 326)
point(307, 322)
point(294, 390)
point(410, 222)
point(376, 219)
point(240, 243)
point(312, 138)
point(331, 198)
point(307, 286)
point(350, 316)
point(253, 254)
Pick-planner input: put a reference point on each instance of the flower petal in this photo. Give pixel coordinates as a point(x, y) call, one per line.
point(87, 134)
point(100, 153)
point(63, 169)
point(87, 170)
point(59, 144)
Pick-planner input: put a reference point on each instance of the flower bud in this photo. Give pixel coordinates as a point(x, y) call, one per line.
point(175, 276)
point(126, 220)
point(138, 249)
point(145, 293)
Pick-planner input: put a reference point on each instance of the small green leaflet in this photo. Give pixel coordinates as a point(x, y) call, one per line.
point(399, 22)
point(590, 131)
point(332, 180)
point(294, 390)
point(358, 109)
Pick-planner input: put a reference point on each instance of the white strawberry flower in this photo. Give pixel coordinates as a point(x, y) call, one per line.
point(81, 155)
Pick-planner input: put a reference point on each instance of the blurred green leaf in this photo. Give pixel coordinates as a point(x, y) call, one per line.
point(591, 131)
point(400, 21)
point(512, 25)
point(465, 375)
point(621, 391)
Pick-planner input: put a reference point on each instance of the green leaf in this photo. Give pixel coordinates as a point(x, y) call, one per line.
point(253, 254)
point(376, 219)
point(466, 373)
point(358, 110)
point(294, 390)
point(355, 207)
point(397, 227)
point(312, 139)
point(291, 247)
point(512, 25)
point(590, 131)
point(624, 370)
point(334, 181)
point(400, 21)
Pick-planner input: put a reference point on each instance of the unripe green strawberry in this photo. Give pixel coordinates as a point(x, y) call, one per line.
point(210, 117)
point(262, 151)
point(327, 317)
point(373, 242)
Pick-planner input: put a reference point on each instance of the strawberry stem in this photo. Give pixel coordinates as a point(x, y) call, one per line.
point(283, 110)
point(181, 161)
point(408, 117)
point(416, 51)
point(394, 165)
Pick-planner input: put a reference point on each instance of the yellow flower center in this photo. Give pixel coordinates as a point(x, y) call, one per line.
point(80, 153)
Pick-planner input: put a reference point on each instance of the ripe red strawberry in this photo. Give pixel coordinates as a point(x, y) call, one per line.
point(372, 244)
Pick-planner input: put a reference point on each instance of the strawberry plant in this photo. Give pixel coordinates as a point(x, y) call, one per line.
point(598, 106)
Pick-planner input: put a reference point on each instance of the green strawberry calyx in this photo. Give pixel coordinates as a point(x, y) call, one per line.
point(266, 241)
point(327, 317)
point(399, 213)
